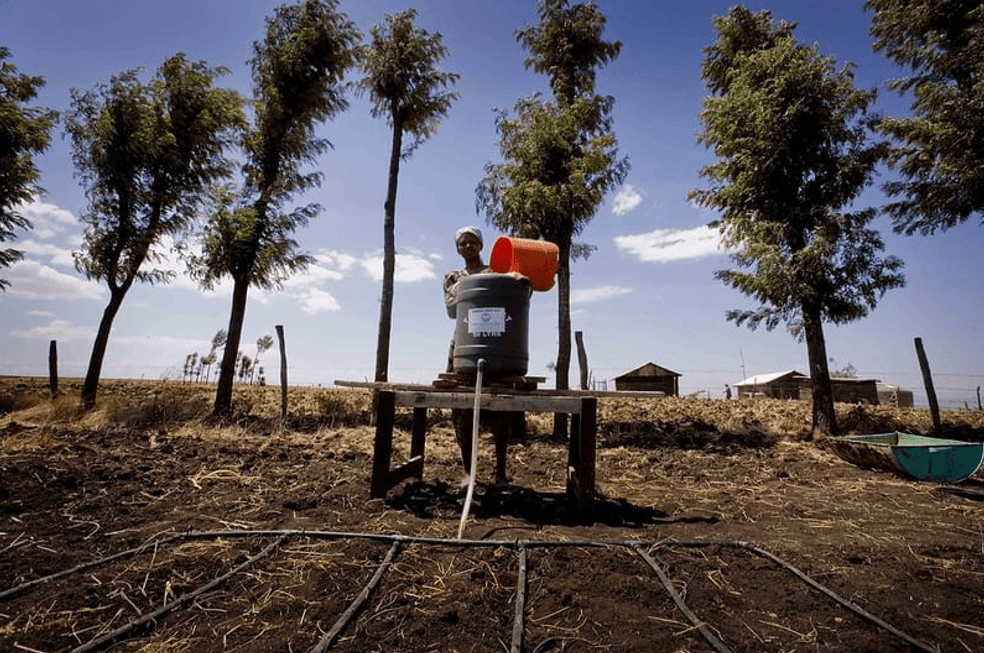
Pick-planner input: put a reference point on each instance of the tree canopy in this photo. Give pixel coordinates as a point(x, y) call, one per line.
point(568, 46)
point(408, 88)
point(147, 153)
point(560, 157)
point(298, 82)
point(404, 80)
point(940, 151)
point(792, 140)
point(25, 132)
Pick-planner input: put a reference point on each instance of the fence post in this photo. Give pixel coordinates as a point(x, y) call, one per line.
point(582, 359)
point(934, 406)
point(283, 373)
point(53, 368)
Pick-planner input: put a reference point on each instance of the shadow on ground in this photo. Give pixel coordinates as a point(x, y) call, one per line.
point(427, 500)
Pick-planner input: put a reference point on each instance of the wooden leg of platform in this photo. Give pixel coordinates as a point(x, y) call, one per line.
point(581, 458)
point(417, 440)
point(383, 444)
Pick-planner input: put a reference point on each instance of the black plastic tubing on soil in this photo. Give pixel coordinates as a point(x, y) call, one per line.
point(397, 539)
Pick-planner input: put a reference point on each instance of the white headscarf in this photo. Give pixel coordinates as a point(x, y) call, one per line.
point(475, 231)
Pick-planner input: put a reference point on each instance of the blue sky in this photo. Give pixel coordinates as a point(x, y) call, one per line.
point(647, 293)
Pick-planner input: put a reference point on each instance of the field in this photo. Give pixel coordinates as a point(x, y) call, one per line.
point(146, 526)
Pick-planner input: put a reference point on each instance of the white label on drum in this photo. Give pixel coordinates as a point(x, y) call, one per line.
point(484, 322)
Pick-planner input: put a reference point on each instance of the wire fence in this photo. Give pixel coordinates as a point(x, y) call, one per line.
point(955, 391)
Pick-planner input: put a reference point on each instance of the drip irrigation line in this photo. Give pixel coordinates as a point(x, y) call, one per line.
point(150, 617)
point(711, 638)
point(331, 535)
point(408, 539)
point(396, 538)
point(520, 608)
point(850, 605)
point(356, 605)
point(13, 591)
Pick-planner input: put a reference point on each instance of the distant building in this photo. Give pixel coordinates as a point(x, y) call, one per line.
point(778, 385)
point(849, 391)
point(795, 385)
point(893, 395)
point(650, 378)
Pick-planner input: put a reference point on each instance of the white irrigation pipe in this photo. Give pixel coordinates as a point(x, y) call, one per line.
point(474, 448)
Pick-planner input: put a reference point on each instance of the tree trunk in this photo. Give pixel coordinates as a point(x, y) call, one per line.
point(563, 367)
point(824, 417)
point(91, 383)
point(389, 256)
point(230, 356)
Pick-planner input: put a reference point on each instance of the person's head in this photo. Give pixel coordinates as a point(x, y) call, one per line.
point(468, 241)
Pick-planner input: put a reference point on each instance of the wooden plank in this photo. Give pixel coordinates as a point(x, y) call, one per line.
point(466, 400)
point(415, 387)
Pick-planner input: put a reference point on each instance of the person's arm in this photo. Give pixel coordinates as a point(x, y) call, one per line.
point(451, 291)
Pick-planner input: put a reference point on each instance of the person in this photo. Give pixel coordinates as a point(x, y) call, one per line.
point(468, 241)
point(727, 391)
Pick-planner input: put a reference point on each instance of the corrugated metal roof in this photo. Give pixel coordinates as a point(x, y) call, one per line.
point(766, 379)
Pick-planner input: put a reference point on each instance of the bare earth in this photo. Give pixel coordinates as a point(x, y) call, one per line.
point(251, 536)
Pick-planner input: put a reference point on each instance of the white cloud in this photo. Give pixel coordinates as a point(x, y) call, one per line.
point(33, 281)
point(665, 245)
point(409, 268)
point(626, 199)
point(312, 276)
point(61, 330)
point(54, 254)
point(334, 260)
point(48, 219)
point(318, 301)
point(598, 294)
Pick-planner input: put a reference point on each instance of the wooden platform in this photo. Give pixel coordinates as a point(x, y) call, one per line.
point(582, 408)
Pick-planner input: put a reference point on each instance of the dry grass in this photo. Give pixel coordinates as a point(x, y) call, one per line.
point(184, 408)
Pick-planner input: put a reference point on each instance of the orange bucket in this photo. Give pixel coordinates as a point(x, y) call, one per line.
point(536, 259)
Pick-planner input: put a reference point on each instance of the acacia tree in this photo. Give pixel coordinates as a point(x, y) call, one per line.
point(146, 154)
point(406, 87)
point(941, 151)
point(263, 343)
point(298, 72)
point(560, 157)
point(24, 132)
point(793, 148)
